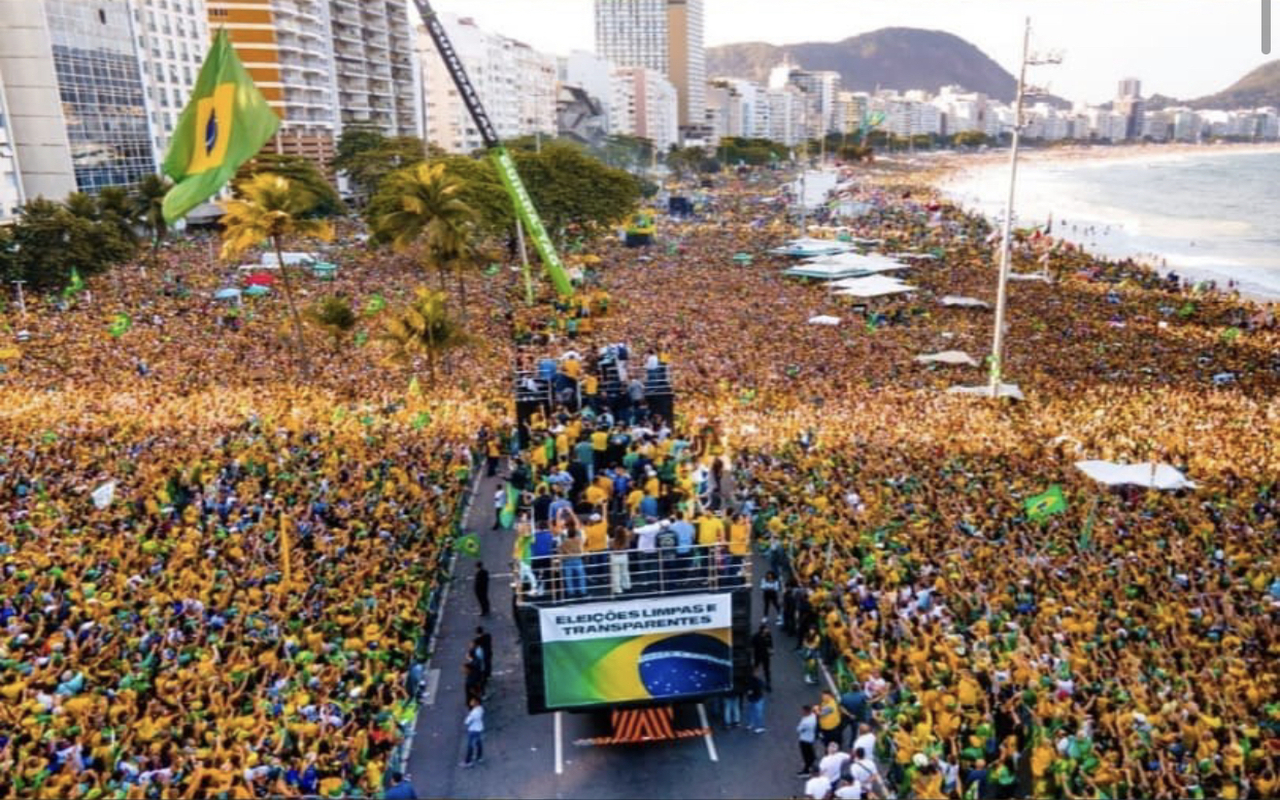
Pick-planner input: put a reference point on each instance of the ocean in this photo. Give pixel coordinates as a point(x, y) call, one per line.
point(1208, 216)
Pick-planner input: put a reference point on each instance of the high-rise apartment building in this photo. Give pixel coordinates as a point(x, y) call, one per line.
point(325, 64)
point(76, 96)
point(515, 83)
point(665, 36)
point(645, 104)
point(11, 194)
point(172, 38)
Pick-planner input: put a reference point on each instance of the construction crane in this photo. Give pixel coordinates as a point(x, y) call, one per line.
point(526, 213)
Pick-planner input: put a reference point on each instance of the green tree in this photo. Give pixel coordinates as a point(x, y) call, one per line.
point(571, 188)
point(367, 157)
point(423, 327)
point(335, 316)
point(433, 215)
point(148, 199)
point(970, 139)
point(301, 174)
point(270, 208)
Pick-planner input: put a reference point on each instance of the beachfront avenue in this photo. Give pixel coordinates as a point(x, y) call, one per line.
point(238, 570)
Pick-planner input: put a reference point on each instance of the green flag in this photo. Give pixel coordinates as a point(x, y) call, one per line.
point(376, 303)
point(225, 123)
point(468, 545)
point(421, 420)
point(120, 325)
point(1043, 505)
point(507, 517)
point(75, 286)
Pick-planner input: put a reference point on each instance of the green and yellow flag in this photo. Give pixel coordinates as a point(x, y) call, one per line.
point(225, 123)
point(468, 545)
point(1042, 505)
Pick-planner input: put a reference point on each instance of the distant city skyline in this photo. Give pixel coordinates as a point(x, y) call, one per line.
point(1180, 48)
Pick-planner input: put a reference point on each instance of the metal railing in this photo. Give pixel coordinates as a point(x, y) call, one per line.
point(629, 574)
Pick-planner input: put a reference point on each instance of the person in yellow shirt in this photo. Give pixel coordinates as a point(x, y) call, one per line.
point(600, 443)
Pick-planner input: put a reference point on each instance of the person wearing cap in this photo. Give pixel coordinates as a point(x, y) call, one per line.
point(596, 545)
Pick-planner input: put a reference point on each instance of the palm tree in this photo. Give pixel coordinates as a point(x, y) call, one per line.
point(270, 207)
point(335, 316)
point(433, 212)
point(423, 327)
point(148, 201)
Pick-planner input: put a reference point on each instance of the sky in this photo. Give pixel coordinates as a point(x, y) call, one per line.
point(1178, 48)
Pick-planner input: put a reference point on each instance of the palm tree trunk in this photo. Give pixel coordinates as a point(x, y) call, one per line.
point(462, 290)
point(299, 343)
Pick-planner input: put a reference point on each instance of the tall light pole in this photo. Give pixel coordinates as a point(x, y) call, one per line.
point(997, 339)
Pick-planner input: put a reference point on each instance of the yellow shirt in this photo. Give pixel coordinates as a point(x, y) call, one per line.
point(600, 441)
point(597, 536)
point(571, 367)
point(738, 538)
point(710, 530)
point(590, 385)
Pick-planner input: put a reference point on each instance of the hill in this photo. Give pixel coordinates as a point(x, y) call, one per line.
point(889, 58)
point(1260, 87)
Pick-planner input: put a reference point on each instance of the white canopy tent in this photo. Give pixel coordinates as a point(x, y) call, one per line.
point(1148, 474)
point(873, 286)
point(823, 319)
point(1005, 390)
point(808, 247)
point(954, 357)
point(874, 262)
point(964, 302)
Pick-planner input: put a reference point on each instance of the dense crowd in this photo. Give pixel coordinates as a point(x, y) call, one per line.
point(1123, 648)
point(241, 616)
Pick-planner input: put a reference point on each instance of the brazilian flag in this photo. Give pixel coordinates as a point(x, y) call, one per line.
point(1043, 505)
point(468, 545)
point(75, 286)
point(507, 516)
point(120, 325)
point(224, 124)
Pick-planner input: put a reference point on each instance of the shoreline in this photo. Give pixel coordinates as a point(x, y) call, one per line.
point(951, 174)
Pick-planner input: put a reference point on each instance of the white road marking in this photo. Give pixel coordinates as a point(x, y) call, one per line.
point(559, 743)
point(433, 686)
point(708, 737)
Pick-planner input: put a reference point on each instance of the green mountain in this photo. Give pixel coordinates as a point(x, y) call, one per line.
point(890, 58)
point(1261, 87)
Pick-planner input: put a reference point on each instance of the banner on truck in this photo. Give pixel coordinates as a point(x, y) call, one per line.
point(660, 648)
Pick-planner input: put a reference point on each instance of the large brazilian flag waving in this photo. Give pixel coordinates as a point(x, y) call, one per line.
point(224, 125)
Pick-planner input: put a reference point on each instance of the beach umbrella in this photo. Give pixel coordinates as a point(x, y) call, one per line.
point(226, 294)
point(257, 290)
point(261, 279)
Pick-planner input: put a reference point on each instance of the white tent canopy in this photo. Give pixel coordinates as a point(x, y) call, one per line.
point(1148, 474)
point(873, 286)
point(874, 262)
point(1006, 390)
point(948, 357)
point(964, 302)
point(823, 319)
point(807, 248)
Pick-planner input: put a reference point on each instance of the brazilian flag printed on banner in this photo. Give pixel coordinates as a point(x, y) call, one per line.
point(225, 123)
point(1043, 505)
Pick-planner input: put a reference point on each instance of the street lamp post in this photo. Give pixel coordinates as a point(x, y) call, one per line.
point(997, 339)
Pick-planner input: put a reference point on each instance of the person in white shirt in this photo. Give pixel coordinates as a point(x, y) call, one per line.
point(866, 742)
point(474, 723)
point(833, 763)
point(817, 787)
point(849, 790)
point(864, 772)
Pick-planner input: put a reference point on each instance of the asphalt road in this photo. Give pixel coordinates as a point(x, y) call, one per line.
point(535, 756)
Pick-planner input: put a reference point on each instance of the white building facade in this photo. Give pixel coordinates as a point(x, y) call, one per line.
point(644, 104)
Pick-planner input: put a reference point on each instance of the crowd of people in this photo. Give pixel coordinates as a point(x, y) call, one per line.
point(213, 570)
point(1125, 647)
